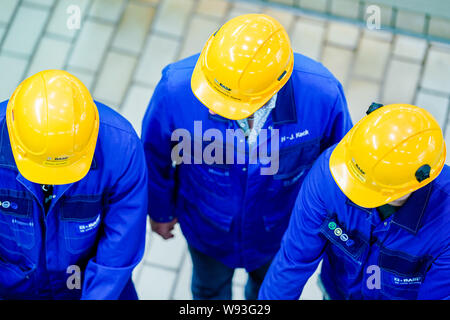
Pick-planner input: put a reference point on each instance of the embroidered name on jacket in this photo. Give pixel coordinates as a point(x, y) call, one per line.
point(294, 136)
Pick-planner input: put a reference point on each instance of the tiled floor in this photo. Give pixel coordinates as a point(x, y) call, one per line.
point(123, 45)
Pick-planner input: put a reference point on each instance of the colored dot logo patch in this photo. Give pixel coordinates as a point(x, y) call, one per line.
point(7, 204)
point(344, 237)
point(338, 231)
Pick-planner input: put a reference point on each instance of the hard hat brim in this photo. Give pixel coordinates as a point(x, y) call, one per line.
point(218, 102)
point(351, 186)
point(57, 175)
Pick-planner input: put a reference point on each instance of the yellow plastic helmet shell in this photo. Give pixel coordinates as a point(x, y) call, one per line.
point(53, 126)
point(391, 152)
point(243, 65)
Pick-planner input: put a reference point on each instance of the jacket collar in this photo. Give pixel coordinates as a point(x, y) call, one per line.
point(284, 111)
point(409, 216)
point(6, 156)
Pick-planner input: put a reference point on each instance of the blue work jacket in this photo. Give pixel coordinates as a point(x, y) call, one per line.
point(406, 256)
point(96, 225)
point(232, 212)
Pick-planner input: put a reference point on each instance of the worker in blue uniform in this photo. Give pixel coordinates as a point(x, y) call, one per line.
point(233, 209)
point(376, 209)
point(73, 194)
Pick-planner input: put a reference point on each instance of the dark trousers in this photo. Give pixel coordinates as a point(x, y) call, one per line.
point(212, 280)
point(129, 292)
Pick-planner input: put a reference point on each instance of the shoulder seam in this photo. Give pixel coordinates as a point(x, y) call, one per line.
point(132, 133)
point(330, 76)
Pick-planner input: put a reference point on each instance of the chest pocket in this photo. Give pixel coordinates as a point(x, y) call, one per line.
point(207, 182)
point(81, 217)
point(296, 160)
point(348, 248)
point(402, 274)
point(218, 174)
point(16, 220)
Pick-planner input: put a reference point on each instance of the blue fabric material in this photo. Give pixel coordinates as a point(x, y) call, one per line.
point(406, 256)
point(230, 211)
point(97, 223)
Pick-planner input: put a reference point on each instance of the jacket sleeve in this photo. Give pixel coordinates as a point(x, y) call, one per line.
point(302, 247)
point(339, 122)
point(122, 244)
point(436, 285)
point(156, 135)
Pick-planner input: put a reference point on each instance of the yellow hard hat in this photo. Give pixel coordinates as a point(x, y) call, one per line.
point(53, 126)
point(393, 151)
point(243, 65)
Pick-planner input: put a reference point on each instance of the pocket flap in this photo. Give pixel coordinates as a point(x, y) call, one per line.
point(15, 203)
point(81, 208)
point(297, 158)
point(351, 242)
point(403, 264)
